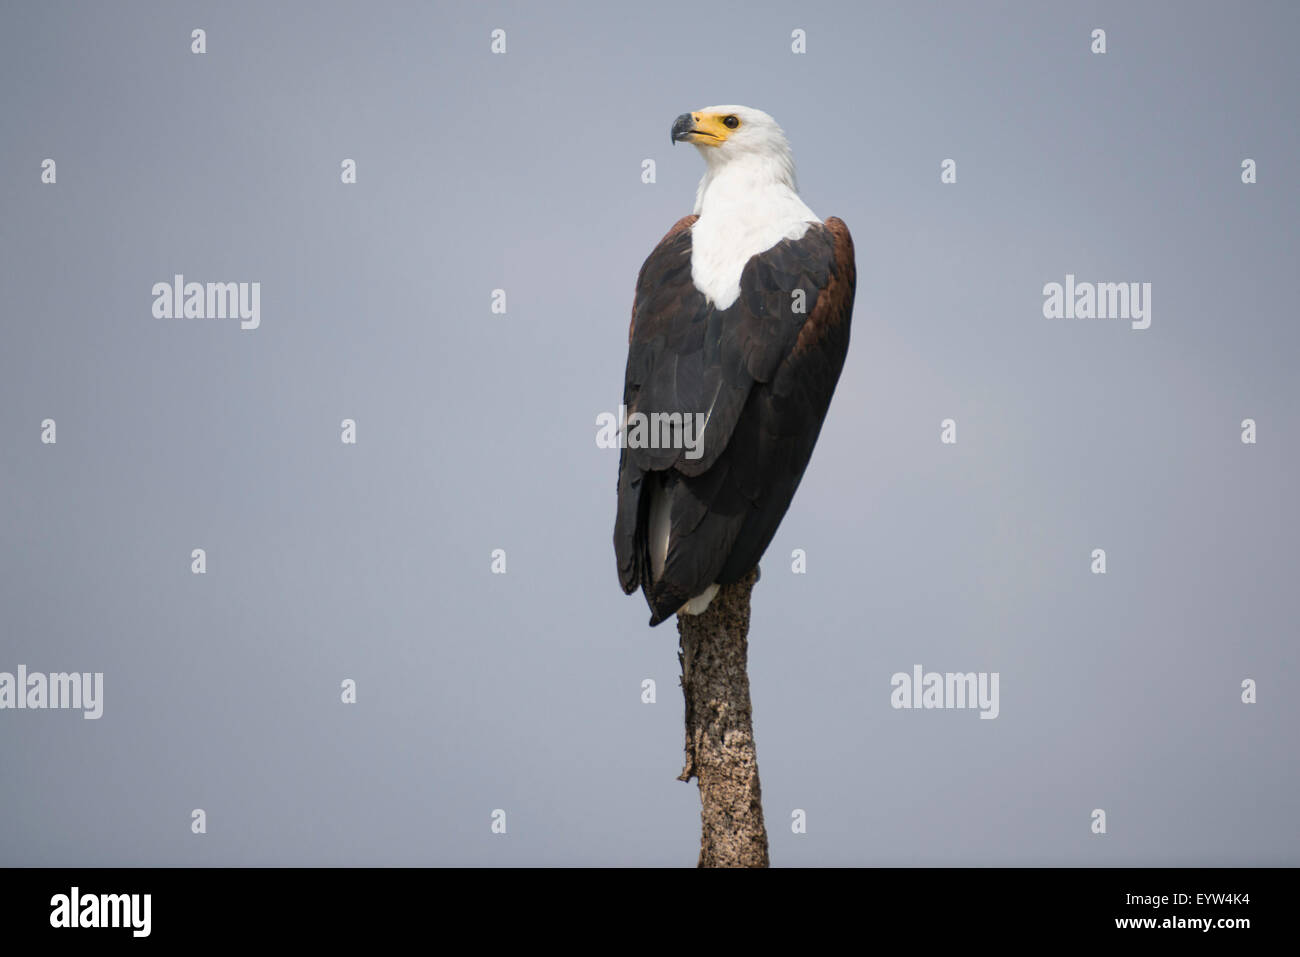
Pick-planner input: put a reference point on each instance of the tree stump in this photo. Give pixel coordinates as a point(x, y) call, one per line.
point(714, 654)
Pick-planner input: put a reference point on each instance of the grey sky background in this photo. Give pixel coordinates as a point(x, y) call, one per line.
point(522, 691)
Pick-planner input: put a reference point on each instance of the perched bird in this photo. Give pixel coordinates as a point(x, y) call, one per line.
point(740, 325)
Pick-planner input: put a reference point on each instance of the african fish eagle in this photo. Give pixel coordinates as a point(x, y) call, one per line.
point(741, 315)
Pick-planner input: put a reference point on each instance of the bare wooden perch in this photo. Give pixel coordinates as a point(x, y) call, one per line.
point(714, 654)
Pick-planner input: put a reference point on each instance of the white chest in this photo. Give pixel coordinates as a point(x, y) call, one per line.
point(734, 227)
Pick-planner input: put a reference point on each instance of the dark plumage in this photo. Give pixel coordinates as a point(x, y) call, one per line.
point(768, 373)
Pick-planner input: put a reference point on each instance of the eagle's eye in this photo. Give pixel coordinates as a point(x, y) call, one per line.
point(731, 122)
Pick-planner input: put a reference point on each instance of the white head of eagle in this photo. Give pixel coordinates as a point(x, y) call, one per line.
point(740, 323)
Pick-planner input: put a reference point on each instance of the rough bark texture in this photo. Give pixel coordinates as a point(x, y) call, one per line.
point(720, 731)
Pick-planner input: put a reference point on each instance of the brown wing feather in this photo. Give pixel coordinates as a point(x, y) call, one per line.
point(784, 418)
point(768, 372)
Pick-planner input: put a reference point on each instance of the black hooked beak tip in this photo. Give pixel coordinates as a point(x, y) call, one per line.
point(683, 126)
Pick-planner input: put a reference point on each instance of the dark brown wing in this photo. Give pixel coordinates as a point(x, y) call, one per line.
point(781, 422)
point(684, 356)
point(763, 370)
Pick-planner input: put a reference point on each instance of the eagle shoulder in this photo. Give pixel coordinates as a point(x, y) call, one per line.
point(663, 263)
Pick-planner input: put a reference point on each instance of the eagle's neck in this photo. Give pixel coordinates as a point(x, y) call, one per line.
point(746, 204)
